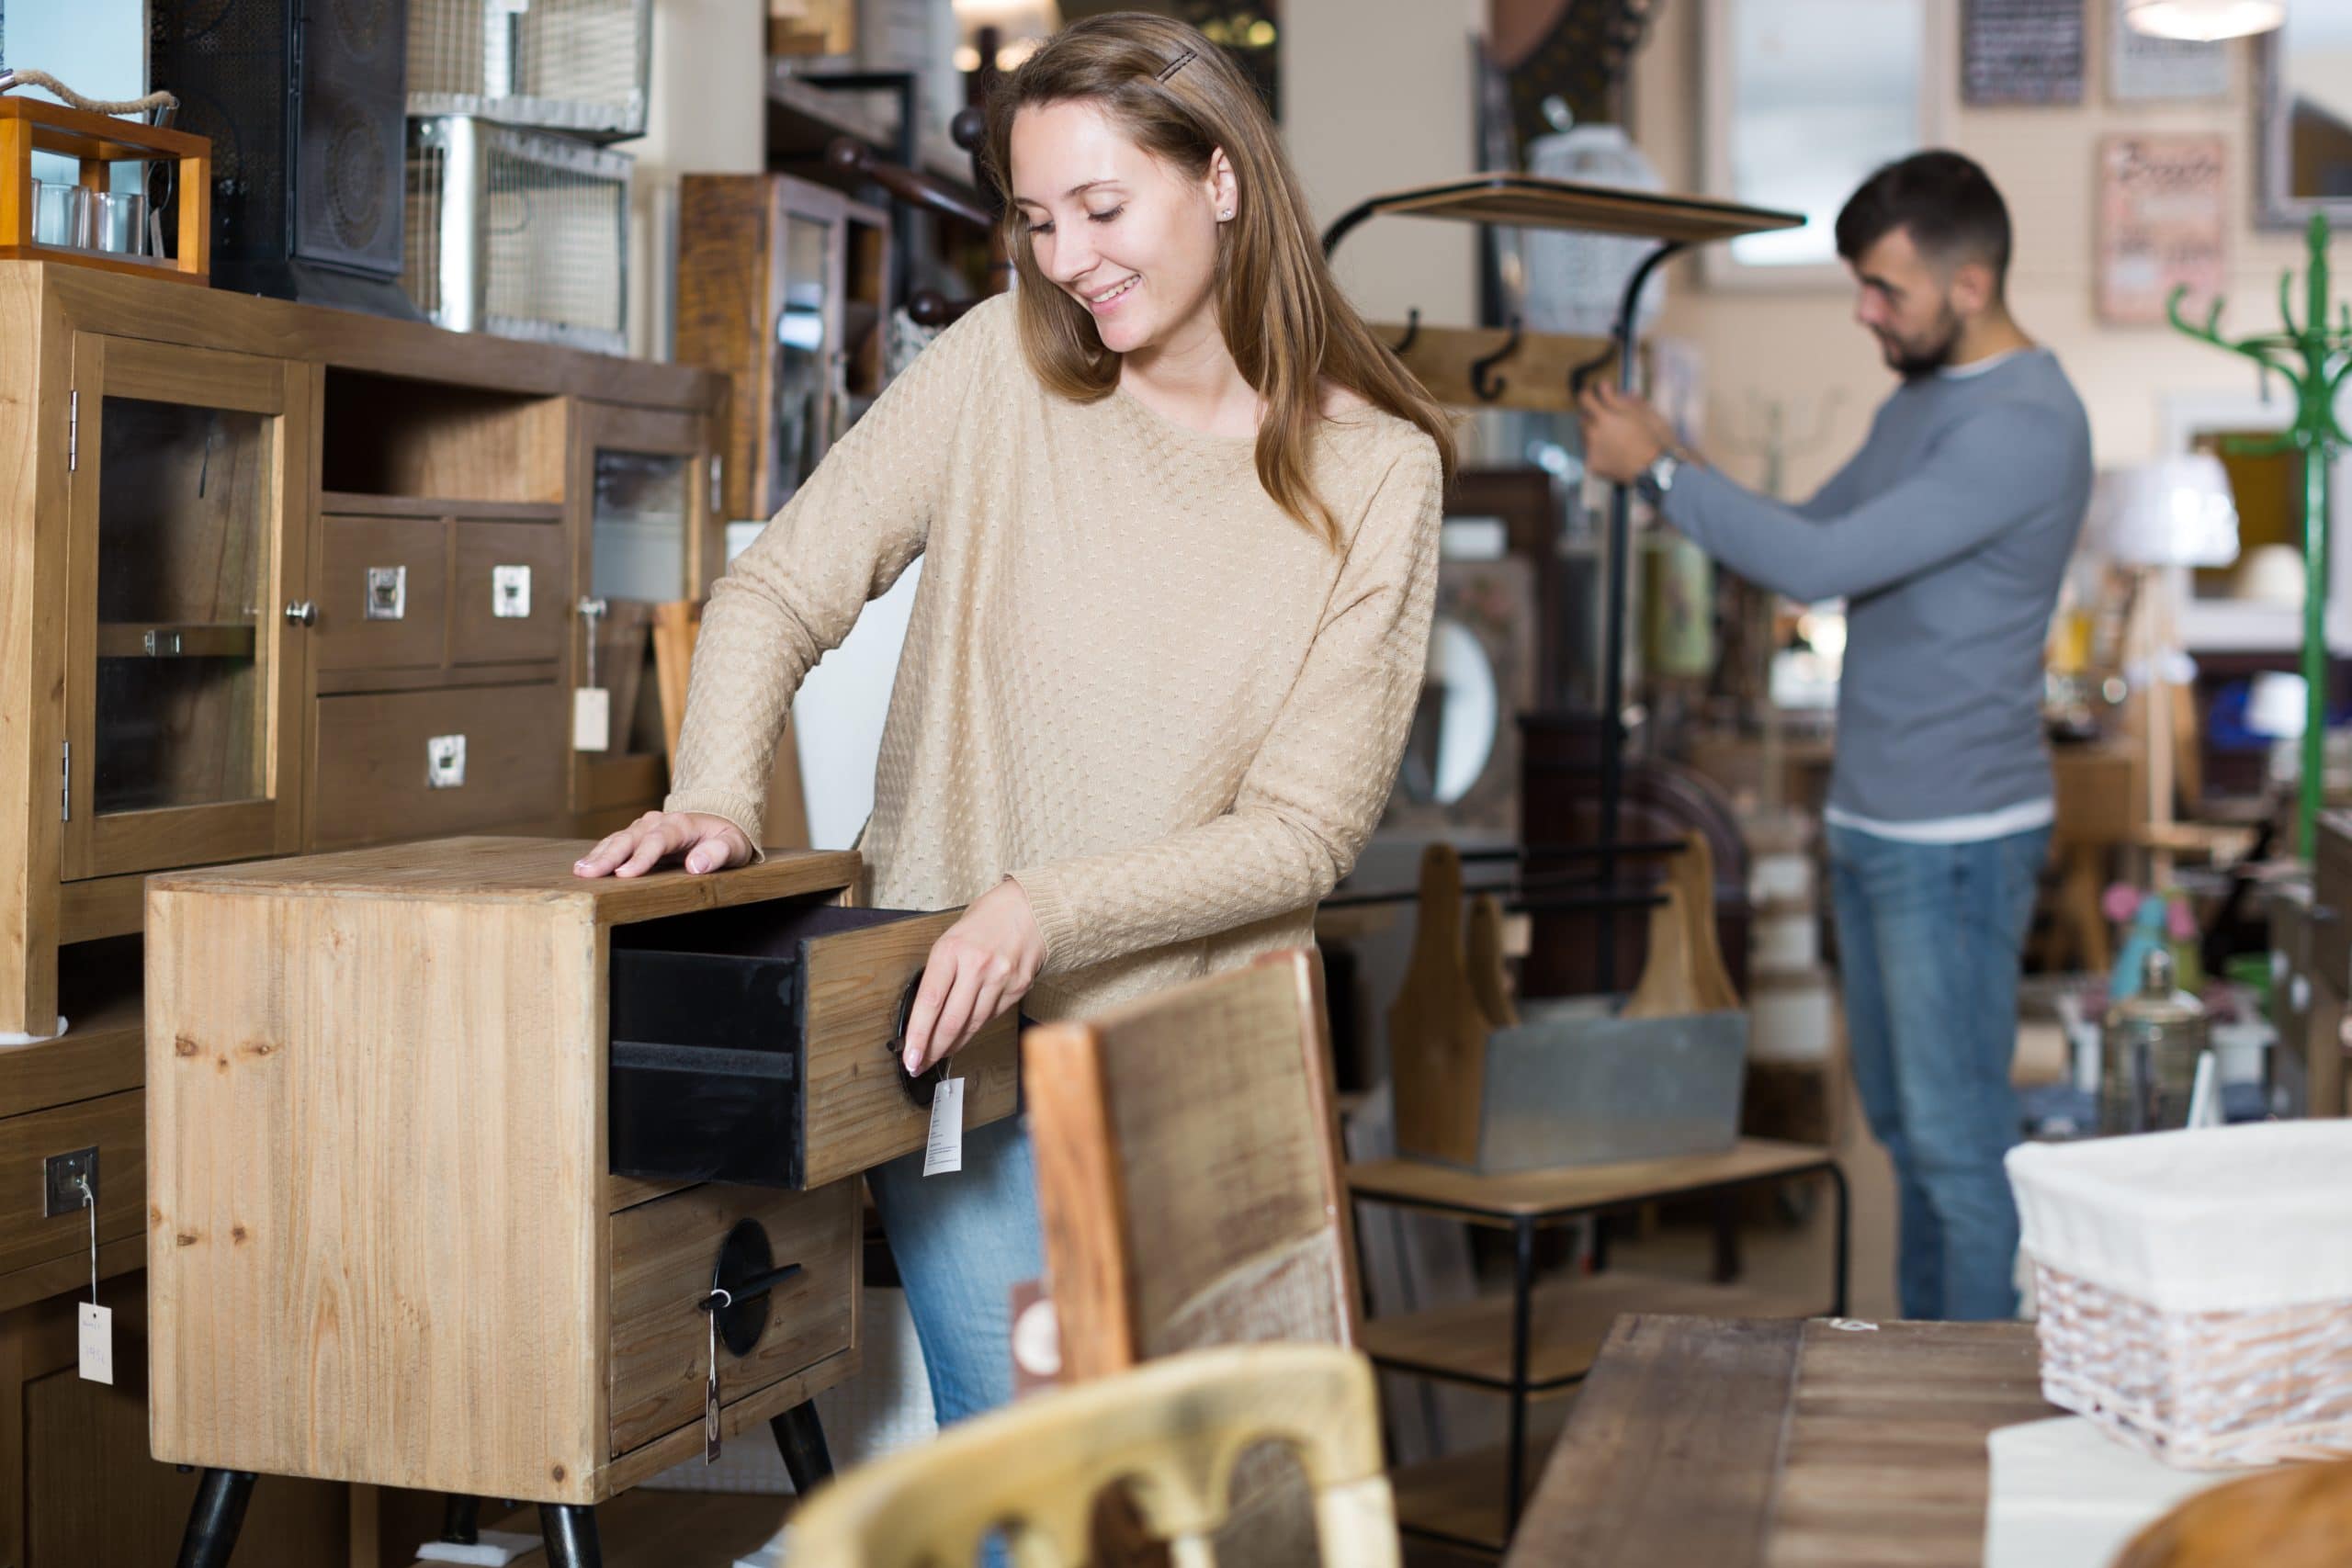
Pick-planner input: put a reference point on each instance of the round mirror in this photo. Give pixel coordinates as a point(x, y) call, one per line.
point(1453, 734)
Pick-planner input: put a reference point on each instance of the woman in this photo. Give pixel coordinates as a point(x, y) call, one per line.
point(1178, 516)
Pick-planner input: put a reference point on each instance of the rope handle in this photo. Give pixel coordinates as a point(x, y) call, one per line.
point(23, 76)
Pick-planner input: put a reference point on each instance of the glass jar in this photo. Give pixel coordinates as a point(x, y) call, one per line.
point(2148, 1054)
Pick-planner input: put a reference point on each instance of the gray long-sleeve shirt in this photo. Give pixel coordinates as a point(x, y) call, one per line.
point(1948, 535)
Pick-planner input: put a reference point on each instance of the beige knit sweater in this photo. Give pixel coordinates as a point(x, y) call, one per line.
point(1130, 680)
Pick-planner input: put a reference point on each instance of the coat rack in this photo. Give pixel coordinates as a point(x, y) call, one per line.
point(1676, 222)
point(2316, 360)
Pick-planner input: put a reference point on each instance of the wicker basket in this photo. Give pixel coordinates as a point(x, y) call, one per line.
point(2196, 1288)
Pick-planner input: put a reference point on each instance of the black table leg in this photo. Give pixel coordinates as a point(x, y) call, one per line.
point(570, 1536)
point(461, 1520)
point(216, 1518)
point(1522, 1300)
point(1838, 1288)
point(801, 1441)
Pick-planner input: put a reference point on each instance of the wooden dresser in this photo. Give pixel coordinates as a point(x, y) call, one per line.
point(386, 1239)
point(273, 578)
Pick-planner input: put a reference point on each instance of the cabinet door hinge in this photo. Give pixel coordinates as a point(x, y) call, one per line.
point(65, 784)
point(73, 431)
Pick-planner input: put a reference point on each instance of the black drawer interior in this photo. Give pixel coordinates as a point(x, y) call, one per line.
point(706, 1074)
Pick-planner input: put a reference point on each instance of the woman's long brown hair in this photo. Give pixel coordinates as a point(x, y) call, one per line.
point(1287, 325)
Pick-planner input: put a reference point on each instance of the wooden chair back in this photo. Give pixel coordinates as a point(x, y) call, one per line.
point(1188, 1171)
point(1168, 1433)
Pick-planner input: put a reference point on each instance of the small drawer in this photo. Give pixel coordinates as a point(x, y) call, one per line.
point(512, 592)
point(760, 1044)
point(113, 1124)
point(666, 1255)
point(424, 764)
point(382, 586)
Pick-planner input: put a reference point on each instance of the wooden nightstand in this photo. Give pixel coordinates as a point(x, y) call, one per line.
point(387, 1242)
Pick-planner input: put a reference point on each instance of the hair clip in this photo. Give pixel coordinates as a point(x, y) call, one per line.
point(1175, 65)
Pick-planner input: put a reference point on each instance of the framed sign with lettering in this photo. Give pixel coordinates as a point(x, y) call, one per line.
point(2161, 222)
point(2022, 51)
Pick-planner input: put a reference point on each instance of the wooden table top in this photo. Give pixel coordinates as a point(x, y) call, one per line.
point(1747, 1444)
point(1575, 1188)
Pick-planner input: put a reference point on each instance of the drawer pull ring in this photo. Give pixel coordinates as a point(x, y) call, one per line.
point(919, 1088)
point(445, 762)
point(387, 592)
point(739, 1284)
point(510, 593)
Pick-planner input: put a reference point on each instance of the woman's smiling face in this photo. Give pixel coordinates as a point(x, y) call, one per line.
point(1128, 236)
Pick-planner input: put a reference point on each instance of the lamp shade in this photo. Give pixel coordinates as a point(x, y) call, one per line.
point(2174, 511)
point(2203, 21)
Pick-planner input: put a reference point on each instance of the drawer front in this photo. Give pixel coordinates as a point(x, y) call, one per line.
point(511, 592)
point(663, 1255)
point(383, 583)
point(390, 764)
point(858, 1110)
point(116, 1126)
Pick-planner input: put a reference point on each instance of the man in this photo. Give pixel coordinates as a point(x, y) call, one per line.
point(1947, 534)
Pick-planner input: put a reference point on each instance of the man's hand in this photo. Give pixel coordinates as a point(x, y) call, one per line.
point(981, 965)
point(1623, 435)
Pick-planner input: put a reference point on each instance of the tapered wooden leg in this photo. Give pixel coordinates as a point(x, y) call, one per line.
point(570, 1536)
point(801, 1441)
point(218, 1514)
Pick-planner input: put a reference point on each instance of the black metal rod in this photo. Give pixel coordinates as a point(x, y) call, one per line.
point(800, 1439)
point(461, 1520)
point(1638, 849)
point(1523, 1298)
point(1837, 1291)
point(216, 1517)
point(1612, 688)
point(1545, 903)
point(568, 1534)
point(757, 1285)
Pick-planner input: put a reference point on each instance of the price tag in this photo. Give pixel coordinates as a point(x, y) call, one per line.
point(945, 1153)
point(97, 1342)
point(591, 718)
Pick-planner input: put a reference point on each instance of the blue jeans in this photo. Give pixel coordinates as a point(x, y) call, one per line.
point(1930, 938)
point(962, 1241)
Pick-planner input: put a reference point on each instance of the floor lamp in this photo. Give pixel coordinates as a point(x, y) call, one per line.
point(2156, 517)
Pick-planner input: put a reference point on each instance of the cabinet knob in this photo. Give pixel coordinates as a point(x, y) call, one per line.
point(302, 613)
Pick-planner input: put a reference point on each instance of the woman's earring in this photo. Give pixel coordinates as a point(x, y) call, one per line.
point(1226, 215)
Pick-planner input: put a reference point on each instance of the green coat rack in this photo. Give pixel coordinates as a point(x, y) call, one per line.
point(2315, 360)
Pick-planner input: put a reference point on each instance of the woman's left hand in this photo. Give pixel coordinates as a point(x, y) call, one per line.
point(982, 964)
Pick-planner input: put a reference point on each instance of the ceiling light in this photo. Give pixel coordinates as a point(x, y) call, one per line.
point(2203, 21)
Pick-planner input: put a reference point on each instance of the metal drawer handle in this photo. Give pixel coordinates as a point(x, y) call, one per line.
point(302, 612)
point(445, 762)
point(387, 592)
point(510, 593)
point(920, 1088)
point(746, 1272)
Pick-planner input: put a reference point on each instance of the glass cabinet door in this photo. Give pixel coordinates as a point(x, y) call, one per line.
point(184, 474)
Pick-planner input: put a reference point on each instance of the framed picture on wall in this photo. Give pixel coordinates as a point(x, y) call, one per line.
point(2161, 224)
point(1804, 98)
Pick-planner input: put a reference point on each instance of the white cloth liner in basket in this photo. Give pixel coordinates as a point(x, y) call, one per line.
point(2222, 1219)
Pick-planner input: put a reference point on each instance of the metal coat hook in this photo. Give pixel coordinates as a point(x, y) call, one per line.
point(1404, 345)
point(1483, 380)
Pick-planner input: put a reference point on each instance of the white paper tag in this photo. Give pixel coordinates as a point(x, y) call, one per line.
point(97, 1342)
point(591, 718)
point(946, 1151)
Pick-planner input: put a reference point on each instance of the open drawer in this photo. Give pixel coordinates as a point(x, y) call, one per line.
point(760, 1044)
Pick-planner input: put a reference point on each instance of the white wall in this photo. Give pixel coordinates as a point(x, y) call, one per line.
point(98, 47)
point(707, 115)
point(1377, 95)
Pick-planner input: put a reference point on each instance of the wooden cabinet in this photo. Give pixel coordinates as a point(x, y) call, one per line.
point(185, 473)
point(387, 1242)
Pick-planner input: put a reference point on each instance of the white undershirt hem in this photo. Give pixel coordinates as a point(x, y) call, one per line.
point(1973, 829)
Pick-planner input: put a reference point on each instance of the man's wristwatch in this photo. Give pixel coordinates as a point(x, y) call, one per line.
point(1659, 477)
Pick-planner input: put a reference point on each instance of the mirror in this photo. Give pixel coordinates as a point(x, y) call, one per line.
point(2307, 115)
point(1805, 99)
point(1454, 730)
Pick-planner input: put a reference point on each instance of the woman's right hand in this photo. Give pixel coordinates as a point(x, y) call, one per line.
point(709, 844)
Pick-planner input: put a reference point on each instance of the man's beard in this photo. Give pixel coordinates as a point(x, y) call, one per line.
point(1926, 355)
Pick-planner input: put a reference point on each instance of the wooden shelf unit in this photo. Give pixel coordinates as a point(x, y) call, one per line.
point(290, 415)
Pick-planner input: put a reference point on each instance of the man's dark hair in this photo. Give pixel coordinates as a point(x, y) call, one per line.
point(1946, 202)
